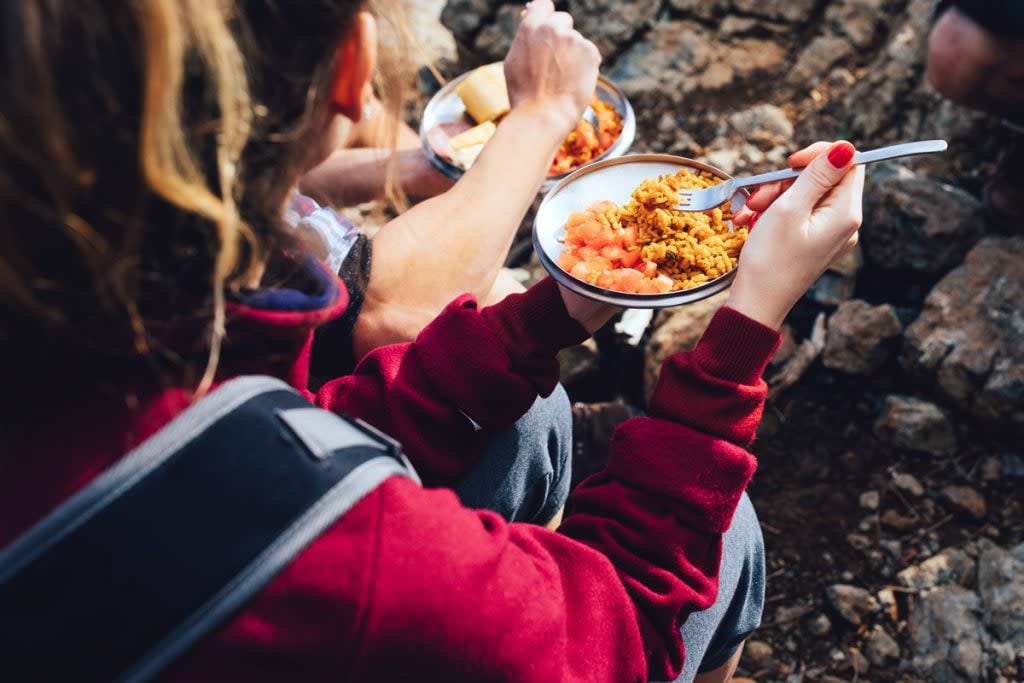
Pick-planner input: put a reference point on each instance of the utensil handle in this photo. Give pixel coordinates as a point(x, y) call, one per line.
point(883, 154)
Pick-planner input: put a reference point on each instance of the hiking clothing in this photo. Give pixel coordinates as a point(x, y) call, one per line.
point(410, 583)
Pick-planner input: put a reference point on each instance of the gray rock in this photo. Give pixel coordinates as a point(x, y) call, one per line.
point(946, 634)
point(465, 17)
point(880, 647)
point(869, 500)
point(969, 339)
point(991, 469)
point(724, 159)
point(891, 546)
point(916, 222)
point(858, 662)
point(859, 20)
point(671, 53)
point(858, 334)
point(952, 565)
point(495, 39)
point(737, 26)
point(678, 330)
point(916, 425)
point(907, 483)
point(610, 23)
point(832, 289)
point(900, 522)
point(858, 541)
point(794, 11)
point(965, 499)
point(817, 59)
point(1001, 585)
point(758, 655)
point(679, 57)
point(892, 91)
point(787, 614)
point(851, 602)
point(762, 122)
point(701, 9)
point(820, 625)
point(741, 59)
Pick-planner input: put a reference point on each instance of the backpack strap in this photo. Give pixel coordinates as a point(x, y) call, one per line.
point(171, 541)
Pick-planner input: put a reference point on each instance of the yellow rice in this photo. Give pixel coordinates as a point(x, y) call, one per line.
point(691, 248)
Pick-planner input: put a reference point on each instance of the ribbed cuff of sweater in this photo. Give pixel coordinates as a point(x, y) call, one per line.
point(736, 348)
point(493, 363)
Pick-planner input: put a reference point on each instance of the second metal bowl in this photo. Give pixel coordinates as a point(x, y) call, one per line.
point(446, 107)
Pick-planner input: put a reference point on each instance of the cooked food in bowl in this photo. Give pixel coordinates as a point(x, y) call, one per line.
point(484, 96)
point(587, 143)
point(647, 247)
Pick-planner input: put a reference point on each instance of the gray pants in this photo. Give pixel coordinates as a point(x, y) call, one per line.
point(524, 475)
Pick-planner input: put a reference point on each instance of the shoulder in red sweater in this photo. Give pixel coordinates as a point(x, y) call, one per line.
point(409, 583)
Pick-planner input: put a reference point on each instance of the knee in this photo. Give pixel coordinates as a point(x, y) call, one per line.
point(553, 416)
point(959, 54)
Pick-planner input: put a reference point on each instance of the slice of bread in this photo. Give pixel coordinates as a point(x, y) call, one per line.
point(484, 93)
point(474, 136)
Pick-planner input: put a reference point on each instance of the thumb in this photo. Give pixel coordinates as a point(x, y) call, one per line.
point(821, 175)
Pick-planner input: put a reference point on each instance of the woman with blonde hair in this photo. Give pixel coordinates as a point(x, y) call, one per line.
point(176, 503)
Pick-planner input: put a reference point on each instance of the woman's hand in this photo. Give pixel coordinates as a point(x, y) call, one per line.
point(801, 230)
point(590, 314)
point(551, 69)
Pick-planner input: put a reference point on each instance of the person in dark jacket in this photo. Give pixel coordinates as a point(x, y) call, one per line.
point(976, 58)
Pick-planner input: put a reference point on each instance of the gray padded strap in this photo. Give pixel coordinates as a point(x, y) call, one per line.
point(343, 497)
point(149, 455)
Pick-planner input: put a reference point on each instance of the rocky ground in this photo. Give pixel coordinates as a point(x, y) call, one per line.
point(891, 454)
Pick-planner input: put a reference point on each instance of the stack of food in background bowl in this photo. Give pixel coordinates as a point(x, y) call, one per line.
point(463, 116)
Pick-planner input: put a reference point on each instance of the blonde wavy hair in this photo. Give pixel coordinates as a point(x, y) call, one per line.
point(146, 149)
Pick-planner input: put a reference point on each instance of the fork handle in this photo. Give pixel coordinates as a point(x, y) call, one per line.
point(883, 154)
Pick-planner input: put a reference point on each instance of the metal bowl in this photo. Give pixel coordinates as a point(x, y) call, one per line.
point(446, 107)
point(615, 180)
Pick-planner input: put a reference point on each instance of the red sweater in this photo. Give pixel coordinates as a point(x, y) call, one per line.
point(409, 584)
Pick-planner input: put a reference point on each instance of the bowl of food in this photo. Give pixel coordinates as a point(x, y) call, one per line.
point(610, 232)
point(460, 119)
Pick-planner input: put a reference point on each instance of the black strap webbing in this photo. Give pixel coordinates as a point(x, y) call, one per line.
point(170, 542)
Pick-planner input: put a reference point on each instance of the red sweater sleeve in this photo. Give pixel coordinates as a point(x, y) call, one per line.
point(466, 596)
point(674, 480)
point(485, 365)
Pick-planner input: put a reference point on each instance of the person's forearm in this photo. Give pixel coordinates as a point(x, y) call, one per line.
point(354, 176)
point(674, 480)
point(456, 243)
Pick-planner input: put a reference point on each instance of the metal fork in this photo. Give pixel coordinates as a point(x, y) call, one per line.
point(709, 198)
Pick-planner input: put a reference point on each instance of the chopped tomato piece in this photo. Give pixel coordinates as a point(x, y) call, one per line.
point(630, 258)
point(567, 260)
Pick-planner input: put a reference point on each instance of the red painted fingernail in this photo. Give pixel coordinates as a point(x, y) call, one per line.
point(840, 154)
point(753, 221)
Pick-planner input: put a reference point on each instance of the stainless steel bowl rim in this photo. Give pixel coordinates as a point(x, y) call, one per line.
point(450, 170)
point(624, 299)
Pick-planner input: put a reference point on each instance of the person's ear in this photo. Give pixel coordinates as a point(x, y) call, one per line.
point(354, 64)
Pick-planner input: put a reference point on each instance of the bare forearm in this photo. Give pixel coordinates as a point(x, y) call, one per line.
point(456, 242)
point(354, 176)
